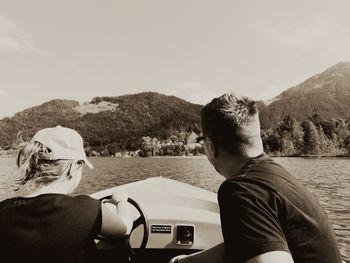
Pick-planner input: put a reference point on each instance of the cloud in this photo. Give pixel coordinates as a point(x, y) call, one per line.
point(323, 36)
point(3, 93)
point(300, 36)
point(310, 36)
point(15, 38)
point(268, 92)
point(194, 92)
point(338, 49)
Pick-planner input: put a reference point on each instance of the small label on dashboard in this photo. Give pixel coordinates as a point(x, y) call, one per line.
point(164, 229)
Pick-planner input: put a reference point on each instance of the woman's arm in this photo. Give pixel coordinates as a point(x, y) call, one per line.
point(120, 198)
point(116, 216)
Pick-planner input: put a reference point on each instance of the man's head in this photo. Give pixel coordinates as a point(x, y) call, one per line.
point(231, 127)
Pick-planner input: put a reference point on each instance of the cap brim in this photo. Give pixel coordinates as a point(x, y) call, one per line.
point(87, 162)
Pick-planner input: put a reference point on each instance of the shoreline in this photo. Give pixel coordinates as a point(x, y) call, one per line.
point(13, 155)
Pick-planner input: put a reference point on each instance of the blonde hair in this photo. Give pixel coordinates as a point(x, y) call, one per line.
point(36, 169)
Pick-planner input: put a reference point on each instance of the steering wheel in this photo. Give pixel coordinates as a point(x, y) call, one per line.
point(141, 220)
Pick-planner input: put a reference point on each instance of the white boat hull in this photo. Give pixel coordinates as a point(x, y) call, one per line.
point(168, 205)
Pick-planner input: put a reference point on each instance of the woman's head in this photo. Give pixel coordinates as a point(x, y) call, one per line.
point(53, 155)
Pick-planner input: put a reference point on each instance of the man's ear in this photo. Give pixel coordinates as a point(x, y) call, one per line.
point(212, 147)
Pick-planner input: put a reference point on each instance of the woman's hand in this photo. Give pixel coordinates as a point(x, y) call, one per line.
point(118, 196)
point(116, 216)
point(120, 199)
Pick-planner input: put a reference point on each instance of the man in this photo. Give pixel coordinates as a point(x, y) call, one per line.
point(267, 215)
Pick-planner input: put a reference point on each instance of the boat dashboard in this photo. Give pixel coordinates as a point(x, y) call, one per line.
point(179, 218)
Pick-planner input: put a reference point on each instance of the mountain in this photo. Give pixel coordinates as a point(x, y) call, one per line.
point(326, 94)
point(121, 121)
point(103, 121)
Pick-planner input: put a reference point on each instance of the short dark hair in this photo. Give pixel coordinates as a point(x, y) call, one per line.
point(224, 119)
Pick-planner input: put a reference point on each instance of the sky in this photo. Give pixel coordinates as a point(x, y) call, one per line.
point(193, 49)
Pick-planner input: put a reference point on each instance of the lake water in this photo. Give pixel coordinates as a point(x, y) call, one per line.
point(327, 178)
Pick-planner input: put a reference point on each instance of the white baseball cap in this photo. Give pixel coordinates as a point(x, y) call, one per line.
point(64, 143)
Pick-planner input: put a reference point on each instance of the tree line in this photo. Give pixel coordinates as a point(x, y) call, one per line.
point(156, 125)
point(289, 137)
point(148, 146)
point(311, 137)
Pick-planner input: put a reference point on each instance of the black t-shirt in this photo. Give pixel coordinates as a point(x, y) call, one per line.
point(49, 228)
point(266, 209)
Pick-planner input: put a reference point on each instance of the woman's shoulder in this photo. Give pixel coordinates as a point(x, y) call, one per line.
point(55, 199)
point(53, 206)
point(81, 201)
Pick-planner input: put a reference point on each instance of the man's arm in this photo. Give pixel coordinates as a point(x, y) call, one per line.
point(217, 255)
point(211, 255)
point(272, 257)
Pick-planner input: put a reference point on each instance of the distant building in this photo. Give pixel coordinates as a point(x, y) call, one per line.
point(94, 153)
point(192, 140)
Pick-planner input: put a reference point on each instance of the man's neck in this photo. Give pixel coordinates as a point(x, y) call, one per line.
point(231, 166)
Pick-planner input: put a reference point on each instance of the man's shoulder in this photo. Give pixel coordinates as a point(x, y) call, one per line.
point(266, 172)
point(229, 185)
point(243, 187)
point(254, 178)
point(263, 164)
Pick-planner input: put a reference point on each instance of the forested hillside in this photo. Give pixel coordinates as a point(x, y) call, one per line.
point(312, 118)
point(326, 94)
point(118, 123)
point(310, 137)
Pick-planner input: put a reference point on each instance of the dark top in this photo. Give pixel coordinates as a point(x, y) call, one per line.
point(266, 209)
point(49, 228)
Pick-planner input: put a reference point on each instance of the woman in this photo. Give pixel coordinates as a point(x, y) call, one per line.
point(48, 225)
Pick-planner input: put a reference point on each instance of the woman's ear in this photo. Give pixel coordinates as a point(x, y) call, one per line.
point(212, 147)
